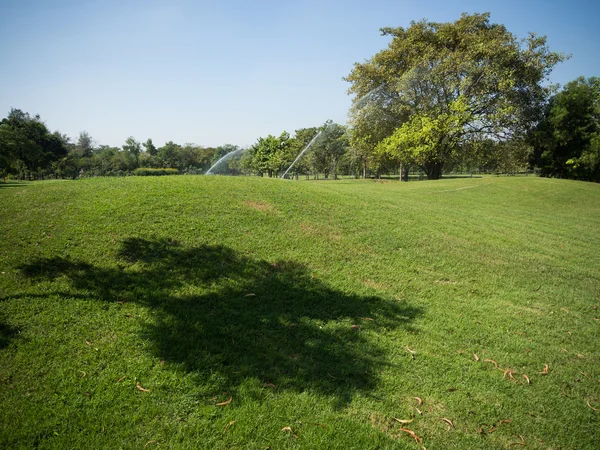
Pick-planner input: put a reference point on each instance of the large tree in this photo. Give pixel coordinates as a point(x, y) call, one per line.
point(567, 140)
point(26, 145)
point(439, 86)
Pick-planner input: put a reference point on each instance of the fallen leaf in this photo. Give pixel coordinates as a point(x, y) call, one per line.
point(491, 361)
point(508, 372)
point(270, 385)
point(228, 425)
point(140, 388)
point(290, 430)
point(491, 430)
point(564, 309)
point(412, 352)
point(355, 327)
point(588, 403)
point(596, 319)
point(569, 333)
point(418, 399)
point(121, 379)
point(412, 433)
point(448, 421)
point(83, 374)
point(419, 411)
point(250, 295)
point(545, 372)
point(527, 378)
point(475, 356)
point(564, 350)
point(226, 402)
point(403, 421)
point(88, 342)
point(366, 318)
point(504, 421)
point(150, 442)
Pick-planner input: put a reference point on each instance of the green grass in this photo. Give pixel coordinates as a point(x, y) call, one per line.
point(299, 301)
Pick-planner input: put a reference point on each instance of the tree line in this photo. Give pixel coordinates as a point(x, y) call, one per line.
point(465, 95)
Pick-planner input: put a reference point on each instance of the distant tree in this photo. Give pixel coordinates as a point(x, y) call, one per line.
point(150, 148)
point(26, 145)
point(271, 155)
point(84, 146)
point(134, 148)
point(302, 138)
point(567, 140)
point(168, 155)
point(440, 85)
point(329, 148)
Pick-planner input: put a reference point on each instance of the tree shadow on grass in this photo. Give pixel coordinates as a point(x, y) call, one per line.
point(218, 312)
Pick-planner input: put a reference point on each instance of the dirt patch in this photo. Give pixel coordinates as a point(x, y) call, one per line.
point(260, 206)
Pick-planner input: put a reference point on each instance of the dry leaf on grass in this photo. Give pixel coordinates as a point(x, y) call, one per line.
point(520, 443)
point(475, 356)
point(140, 388)
point(121, 379)
point(150, 442)
point(412, 433)
point(491, 361)
point(290, 430)
point(587, 402)
point(83, 374)
point(448, 421)
point(419, 399)
point(504, 421)
point(366, 318)
point(403, 421)
point(271, 385)
point(228, 425)
point(226, 402)
point(88, 342)
point(419, 411)
point(545, 371)
point(564, 309)
point(250, 295)
point(412, 352)
point(527, 378)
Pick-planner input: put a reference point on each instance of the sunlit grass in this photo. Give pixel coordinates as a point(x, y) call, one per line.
point(131, 308)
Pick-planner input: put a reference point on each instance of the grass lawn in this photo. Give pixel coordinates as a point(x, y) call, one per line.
point(220, 312)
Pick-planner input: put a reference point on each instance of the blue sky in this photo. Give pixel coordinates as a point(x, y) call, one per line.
point(229, 71)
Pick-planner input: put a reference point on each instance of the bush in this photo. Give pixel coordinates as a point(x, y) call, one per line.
point(145, 171)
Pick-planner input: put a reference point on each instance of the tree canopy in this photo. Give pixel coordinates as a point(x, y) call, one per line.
point(567, 140)
point(439, 86)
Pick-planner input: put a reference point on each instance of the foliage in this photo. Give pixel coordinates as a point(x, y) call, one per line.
point(567, 140)
point(27, 148)
point(143, 172)
point(440, 85)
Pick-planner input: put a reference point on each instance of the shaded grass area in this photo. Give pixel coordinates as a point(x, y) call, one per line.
point(132, 310)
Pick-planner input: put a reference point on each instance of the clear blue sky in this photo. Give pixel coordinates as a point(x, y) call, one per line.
point(229, 71)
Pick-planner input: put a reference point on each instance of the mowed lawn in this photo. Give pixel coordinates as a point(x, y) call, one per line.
point(220, 312)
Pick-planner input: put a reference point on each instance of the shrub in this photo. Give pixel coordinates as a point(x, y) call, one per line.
point(146, 171)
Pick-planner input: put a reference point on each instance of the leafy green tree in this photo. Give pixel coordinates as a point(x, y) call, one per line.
point(567, 140)
point(134, 148)
point(329, 148)
point(271, 155)
point(440, 85)
point(26, 145)
point(150, 147)
point(85, 145)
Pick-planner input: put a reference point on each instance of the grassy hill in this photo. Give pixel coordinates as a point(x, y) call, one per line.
point(216, 312)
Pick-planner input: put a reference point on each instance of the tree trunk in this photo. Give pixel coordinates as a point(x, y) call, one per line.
point(433, 170)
